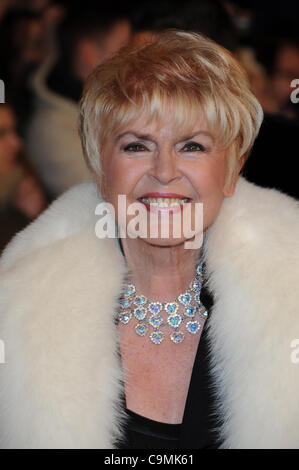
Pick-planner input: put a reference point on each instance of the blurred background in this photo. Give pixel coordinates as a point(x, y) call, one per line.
point(49, 47)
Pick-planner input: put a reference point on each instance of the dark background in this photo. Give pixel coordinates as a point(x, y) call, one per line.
point(263, 35)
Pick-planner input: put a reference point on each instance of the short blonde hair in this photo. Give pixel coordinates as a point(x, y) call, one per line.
point(183, 68)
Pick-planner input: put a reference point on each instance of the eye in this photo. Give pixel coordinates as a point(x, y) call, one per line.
point(135, 147)
point(194, 147)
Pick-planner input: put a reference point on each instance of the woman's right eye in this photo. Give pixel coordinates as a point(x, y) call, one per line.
point(135, 147)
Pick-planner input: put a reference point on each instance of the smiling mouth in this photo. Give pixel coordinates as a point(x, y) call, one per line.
point(164, 201)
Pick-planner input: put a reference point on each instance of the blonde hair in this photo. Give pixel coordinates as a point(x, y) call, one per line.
point(183, 68)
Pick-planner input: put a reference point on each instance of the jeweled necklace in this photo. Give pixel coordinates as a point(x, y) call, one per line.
point(148, 314)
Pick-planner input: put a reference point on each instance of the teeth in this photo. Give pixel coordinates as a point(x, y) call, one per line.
point(164, 202)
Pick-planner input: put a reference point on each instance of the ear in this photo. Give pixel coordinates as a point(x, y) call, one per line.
point(242, 163)
point(89, 53)
point(229, 190)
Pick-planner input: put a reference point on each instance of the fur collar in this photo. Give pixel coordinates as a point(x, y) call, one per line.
point(61, 381)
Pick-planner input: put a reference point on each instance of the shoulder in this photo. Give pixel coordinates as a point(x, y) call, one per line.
point(255, 216)
point(252, 254)
point(59, 291)
point(57, 257)
point(60, 246)
point(255, 234)
point(252, 199)
point(71, 213)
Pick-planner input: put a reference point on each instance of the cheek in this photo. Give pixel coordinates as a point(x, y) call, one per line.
point(209, 178)
point(110, 178)
point(114, 183)
point(209, 184)
point(120, 177)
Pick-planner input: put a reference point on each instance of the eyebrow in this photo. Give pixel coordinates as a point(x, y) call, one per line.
point(138, 136)
point(151, 138)
point(188, 137)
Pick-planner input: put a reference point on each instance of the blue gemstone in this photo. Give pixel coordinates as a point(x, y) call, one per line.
point(157, 337)
point(155, 320)
point(177, 337)
point(174, 320)
point(155, 307)
point(140, 313)
point(195, 286)
point(193, 327)
point(199, 270)
point(139, 300)
point(125, 302)
point(171, 307)
point(202, 311)
point(185, 299)
point(189, 311)
point(141, 329)
point(125, 317)
point(130, 289)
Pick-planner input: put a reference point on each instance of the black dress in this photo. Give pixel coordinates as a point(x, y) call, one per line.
point(200, 421)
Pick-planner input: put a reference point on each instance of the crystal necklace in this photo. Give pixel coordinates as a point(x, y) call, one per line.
point(185, 313)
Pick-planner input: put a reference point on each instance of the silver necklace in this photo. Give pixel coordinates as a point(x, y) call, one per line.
point(184, 313)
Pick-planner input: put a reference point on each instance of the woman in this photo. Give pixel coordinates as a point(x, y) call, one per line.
point(168, 127)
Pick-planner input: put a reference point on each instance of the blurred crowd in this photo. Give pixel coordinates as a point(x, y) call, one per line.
point(49, 47)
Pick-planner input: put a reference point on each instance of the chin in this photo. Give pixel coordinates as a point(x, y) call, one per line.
point(164, 242)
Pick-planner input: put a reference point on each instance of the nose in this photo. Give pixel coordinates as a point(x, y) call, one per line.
point(165, 167)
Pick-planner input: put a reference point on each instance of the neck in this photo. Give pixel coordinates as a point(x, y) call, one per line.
point(159, 272)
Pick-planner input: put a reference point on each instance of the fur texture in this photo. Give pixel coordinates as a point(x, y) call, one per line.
point(61, 381)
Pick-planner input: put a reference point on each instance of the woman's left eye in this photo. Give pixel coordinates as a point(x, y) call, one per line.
point(194, 147)
point(135, 147)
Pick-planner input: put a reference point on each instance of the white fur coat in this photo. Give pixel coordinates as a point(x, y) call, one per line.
point(61, 381)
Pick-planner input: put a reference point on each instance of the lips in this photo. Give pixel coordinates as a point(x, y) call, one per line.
point(164, 201)
point(167, 195)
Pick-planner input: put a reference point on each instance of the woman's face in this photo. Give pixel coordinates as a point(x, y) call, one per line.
point(158, 163)
point(10, 143)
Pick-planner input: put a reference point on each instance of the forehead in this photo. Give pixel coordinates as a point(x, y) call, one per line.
point(164, 123)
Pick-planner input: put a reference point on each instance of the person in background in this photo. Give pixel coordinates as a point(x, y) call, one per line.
point(208, 17)
point(21, 196)
point(85, 38)
point(27, 37)
point(280, 58)
point(20, 46)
